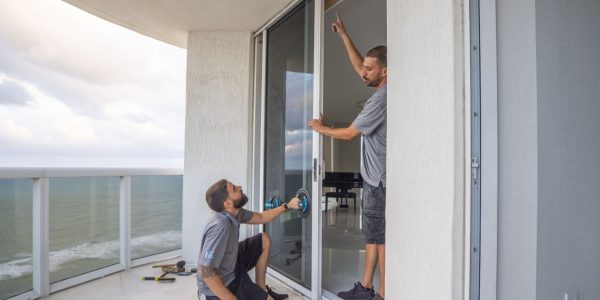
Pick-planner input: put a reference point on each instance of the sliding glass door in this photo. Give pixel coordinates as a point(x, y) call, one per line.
point(287, 151)
point(288, 139)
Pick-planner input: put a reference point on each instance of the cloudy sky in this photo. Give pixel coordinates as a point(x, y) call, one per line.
point(298, 136)
point(76, 90)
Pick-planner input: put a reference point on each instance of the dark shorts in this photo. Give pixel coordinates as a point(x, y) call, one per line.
point(243, 287)
point(373, 213)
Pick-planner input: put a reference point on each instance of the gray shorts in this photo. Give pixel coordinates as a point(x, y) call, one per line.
point(373, 213)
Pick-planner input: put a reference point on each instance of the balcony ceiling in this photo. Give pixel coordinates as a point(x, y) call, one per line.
point(169, 21)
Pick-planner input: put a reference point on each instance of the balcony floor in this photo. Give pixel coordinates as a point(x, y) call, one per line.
point(128, 285)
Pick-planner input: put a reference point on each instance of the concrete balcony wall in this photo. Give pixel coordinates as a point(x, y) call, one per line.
point(217, 130)
point(425, 206)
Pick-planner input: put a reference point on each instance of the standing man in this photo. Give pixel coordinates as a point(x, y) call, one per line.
point(224, 262)
point(371, 123)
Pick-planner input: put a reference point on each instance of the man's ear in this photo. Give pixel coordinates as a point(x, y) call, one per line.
point(228, 203)
point(384, 72)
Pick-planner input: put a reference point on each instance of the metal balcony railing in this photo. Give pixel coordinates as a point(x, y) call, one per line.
point(60, 227)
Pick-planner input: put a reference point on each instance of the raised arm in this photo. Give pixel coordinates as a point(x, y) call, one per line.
point(355, 58)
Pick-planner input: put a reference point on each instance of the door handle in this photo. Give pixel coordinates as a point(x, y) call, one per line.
point(315, 174)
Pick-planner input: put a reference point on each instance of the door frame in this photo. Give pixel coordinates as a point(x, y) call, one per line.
point(484, 102)
point(486, 225)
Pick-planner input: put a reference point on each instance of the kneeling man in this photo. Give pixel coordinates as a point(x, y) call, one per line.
point(224, 263)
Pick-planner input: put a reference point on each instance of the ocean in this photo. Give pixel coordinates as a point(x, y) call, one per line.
point(84, 225)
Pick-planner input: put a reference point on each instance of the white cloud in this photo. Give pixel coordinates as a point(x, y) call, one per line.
point(298, 149)
point(96, 90)
point(13, 131)
point(12, 93)
point(63, 38)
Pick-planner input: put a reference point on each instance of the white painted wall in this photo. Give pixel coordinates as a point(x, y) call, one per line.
point(217, 131)
point(425, 192)
point(568, 76)
point(346, 154)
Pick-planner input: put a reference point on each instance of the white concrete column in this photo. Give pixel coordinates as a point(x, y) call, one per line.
point(217, 131)
point(425, 206)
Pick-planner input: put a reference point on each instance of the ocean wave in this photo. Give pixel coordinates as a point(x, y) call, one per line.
point(21, 264)
point(16, 268)
point(158, 240)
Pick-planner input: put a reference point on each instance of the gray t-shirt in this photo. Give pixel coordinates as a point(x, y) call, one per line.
point(220, 246)
point(372, 123)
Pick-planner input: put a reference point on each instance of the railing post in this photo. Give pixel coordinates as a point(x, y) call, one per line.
point(125, 221)
point(41, 236)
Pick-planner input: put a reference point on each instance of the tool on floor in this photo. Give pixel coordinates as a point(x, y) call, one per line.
point(184, 273)
point(167, 268)
point(158, 278)
point(172, 268)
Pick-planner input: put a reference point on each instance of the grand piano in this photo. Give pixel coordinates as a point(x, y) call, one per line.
point(342, 182)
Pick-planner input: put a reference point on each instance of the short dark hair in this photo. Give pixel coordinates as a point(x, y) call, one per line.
point(379, 52)
point(216, 195)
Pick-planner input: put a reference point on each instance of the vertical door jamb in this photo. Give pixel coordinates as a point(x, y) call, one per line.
point(317, 151)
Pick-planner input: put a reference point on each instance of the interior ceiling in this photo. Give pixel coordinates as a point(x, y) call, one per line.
point(169, 21)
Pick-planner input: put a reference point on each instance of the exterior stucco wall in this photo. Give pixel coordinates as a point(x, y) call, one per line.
point(217, 123)
point(426, 147)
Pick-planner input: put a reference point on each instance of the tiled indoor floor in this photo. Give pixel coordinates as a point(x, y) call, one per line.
point(343, 247)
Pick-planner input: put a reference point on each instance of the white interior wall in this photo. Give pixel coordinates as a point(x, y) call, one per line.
point(426, 150)
point(568, 74)
point(346, 154)
point(217, 130)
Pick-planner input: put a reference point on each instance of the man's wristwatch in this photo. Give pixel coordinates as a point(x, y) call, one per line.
point(285, 206)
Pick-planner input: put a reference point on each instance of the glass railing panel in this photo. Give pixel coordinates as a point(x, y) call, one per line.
point(84, 225)
point(16, 265)
point(156, 207)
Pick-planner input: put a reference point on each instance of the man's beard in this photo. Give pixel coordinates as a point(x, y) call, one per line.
point(373, 83)
point(241, 202)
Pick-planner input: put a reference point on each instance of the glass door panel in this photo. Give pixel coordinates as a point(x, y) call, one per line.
point(288, 139)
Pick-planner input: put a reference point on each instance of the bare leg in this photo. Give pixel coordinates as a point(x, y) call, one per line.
point(381, 253)
point(260, 271)
point(370, 263)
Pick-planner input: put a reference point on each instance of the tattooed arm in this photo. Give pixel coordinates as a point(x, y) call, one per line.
point(215, 283)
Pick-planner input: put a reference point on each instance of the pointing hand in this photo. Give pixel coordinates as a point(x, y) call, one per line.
point(338, 25)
